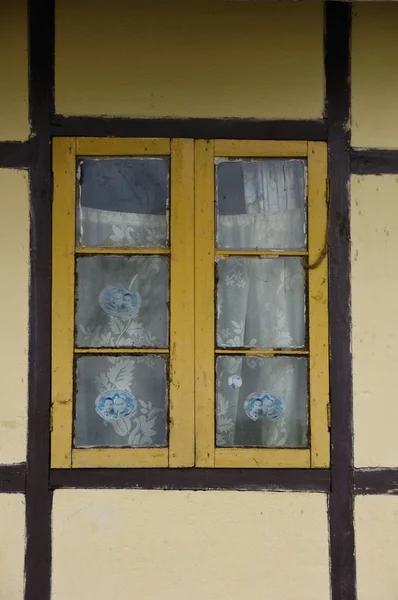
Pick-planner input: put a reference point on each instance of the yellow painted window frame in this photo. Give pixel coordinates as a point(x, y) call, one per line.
point(192, 262)
point(207, 454)
point(180, 451)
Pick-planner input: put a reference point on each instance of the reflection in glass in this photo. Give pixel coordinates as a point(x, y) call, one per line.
point(123, 202)
point(261, 402)
point(122, 301)
point(260, 303)
point(261, 204)
point(121, 401)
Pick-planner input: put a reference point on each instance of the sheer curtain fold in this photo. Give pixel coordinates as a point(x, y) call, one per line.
point(275, 217)
point(112, 228)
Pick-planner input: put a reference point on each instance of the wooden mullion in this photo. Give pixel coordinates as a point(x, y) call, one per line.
point(182, 418)
point(204, 303)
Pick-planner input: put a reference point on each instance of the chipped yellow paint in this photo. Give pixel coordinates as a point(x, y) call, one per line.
point(120, 457)
point(63, 281)
point(318, 304)
point(275, 458)
point(259, 149)
point(182, 417)
point(122, 146)
point(204, 302)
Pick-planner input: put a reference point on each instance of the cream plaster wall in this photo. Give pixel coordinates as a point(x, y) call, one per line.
point(12, 546)
point(374, 222)
point(376, 537)
point(375, 75)
point(177, 545)
point(14, 124)
point(14, 276)
point(202, 58)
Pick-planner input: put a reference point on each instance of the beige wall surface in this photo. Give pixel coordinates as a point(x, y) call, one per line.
point(376, 538)
point(375, 75)
point(374, 222)
point(177, 545)
point(14, 124)
point(12, 546)
point(202, 58)
point(14, 275)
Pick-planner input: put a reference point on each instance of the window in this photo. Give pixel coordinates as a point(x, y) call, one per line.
point(190, 323)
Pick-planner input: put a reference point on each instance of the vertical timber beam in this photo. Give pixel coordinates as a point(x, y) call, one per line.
point(38, 496)
point(338, 100)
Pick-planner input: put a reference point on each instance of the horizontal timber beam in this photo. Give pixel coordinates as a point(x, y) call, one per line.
point(374, 162)
point(14, 155)
point(315, 480)
point(376, 481)
point(311, 130)
point(12, 478)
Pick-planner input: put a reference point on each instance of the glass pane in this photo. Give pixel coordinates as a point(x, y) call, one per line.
point(260, 303)
point(123, 202)
point(121, 401)
point(262, 402)
point(122, 301)
point(261, 204)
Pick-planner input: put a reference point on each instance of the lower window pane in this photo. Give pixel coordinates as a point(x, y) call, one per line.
point(261, 402)
point(121, 401)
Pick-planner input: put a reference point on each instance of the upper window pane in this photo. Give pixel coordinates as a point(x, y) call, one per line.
point(261, 204)
point(123, 202)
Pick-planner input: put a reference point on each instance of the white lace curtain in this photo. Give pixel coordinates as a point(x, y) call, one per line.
point(98, 227)
point(261, 302)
